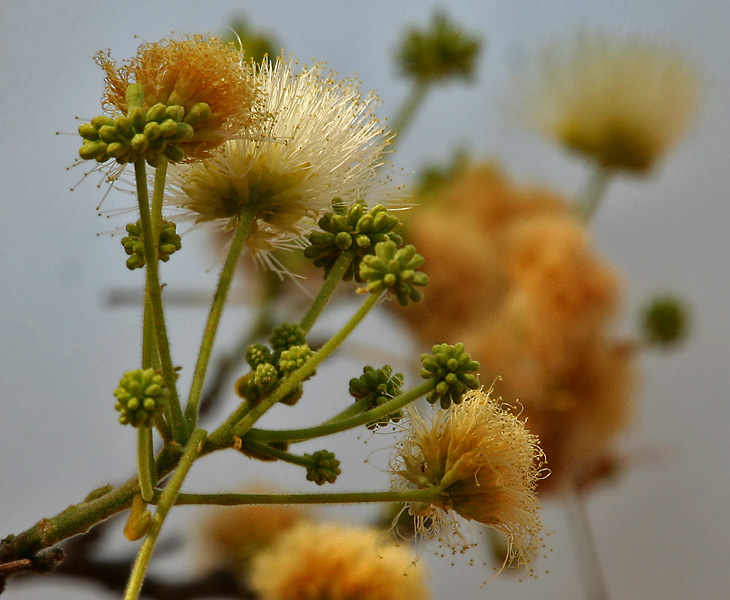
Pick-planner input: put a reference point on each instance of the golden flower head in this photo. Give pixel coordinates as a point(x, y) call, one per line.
point(486, 462)
point(621, 103)
point(208, 79)
point(336, 562)
point(324, 142)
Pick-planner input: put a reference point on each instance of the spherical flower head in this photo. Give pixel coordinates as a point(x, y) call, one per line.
point(394, 269)
point(189, 73)
point(141, 396)
point(337, 562)
point(487, 464)
point(664, 321)
point(622, 103)
point(453, 372)
point(324, 142)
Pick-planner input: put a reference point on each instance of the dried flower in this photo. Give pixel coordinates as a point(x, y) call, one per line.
point(486, 462)
point(336, 562)
point(324, 142)
point(622, 103)
point(209, 80)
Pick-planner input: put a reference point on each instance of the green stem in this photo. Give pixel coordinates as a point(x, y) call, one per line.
point(330, 427)
point(216, 310)
point(289, 384)
point(426, 495)
point(278, 454)
point(356, 408)
point(408, 109)
point(589, 565)
point(153, 292)
point(592, 193)
point(334, 277)
point(145, 462)
point(167, 500)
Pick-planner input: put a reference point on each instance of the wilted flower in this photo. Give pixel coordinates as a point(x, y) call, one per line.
point(208, 79)
point(317, 561)
point(486, 462)
point(622, 103)
point(324, 142)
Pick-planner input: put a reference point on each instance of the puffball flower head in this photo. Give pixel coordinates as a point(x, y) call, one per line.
point(324, 142)
point(210, 80)
point(487, 465)
point(622, 103)
point(314, 561)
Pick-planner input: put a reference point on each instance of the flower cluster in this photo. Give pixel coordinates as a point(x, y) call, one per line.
point(141, 396)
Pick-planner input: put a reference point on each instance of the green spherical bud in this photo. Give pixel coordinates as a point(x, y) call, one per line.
point(168, 128)
point(198, 113)
point(141, 396)
point(257, 354)
point(139, 142)
point(175, 112)
point(184, 133)
point(102, 121)
point(108, 133)
point(156, 113)
point(89, 132)
point(265, 376)
point(138, 117)
point(124, 127)
point(152, 131)
point(285, 336)
point(324, 467)
point(393, 269)
point(375, 387)
point(116, 150)
point(452, 370)
point(664, 322)
point(174, 153)
point(92, 150)
point(294, 359)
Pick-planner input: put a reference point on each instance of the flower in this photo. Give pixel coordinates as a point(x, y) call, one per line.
point(207, 78)
point(487, 465)
point(337, 562)
point(620, 103)
point(324, 142)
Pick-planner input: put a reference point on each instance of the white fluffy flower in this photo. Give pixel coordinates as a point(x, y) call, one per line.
point(324, 142)
point(623, 103)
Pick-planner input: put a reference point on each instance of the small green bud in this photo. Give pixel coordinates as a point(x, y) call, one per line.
point(293, 397)
point(257, 354)
point(376, 387)
point(198, 113)
point(139, 142)
point(116, 150)
point(89, 132)
point(138, 117)
point(184, 133)
point(286, 336)
point(124, 127)
point(168, 128)
point(102, 121)
point(141, 396)
point(453, 371)
point(393, 269)
point(324, 467)
point(92, 150)
point(343, 240)
point(169, 242)
point(665, 322)
point(152, 131)
point(174, 153)
point(175, 112)
point(108, 133)
point(293, 359)
point(156, 113)
point(265, 376)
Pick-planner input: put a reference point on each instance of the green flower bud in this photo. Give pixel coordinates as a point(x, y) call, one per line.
point(92, 150)
point(169, 242)
point(174, 153)
point(139, 143)
point(453, 371)
point(198, 113)
point(108, 133)
point(286, 336)
point(156, 113)
point(102, 121)
point(141, 396)
point(124, 127)
point(116, 150)
point(257, 354)
point(441, 53)
point(324, 468)
point(152, 131)
point(664, 322)
point(89, 132)
point(293, 359)
point(168, 128)
point(175, 112)
point(376, 387)
point(393, 269)
point(138, 118)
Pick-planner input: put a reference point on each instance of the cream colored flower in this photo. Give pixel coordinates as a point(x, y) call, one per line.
point(488, 465)
point(324, 142)
point(336, 562)
point(623, 103)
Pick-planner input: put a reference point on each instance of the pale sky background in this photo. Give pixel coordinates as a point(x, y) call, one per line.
point(662, 530)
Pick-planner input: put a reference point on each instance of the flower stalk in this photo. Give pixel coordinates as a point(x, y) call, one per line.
point(328, 288)
point(593, 192)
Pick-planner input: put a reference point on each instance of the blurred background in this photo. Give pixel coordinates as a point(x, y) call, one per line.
point(661, 528)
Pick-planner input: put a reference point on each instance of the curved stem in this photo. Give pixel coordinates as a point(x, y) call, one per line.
point(328, 288)
point(592, 193)
point(153, 292)
point(408, 109)
point(426, 495)
point(278, 454)
point(145, 462)
point(330, 427)
point(211, 327)
point(166, 501)
point(356, 408)
point(594, 582)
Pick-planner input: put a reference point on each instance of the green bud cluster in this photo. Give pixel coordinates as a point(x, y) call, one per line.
point(143, 133)
point(294, 358)
point(351, 229)
point(441, 53)
point(141, 396)
point(664, 321)
point(324, 467)
point(286, 336)
point(257, 354)
point(453, 371)
point(376, 387)
point(169, 243)
point(394, 269)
